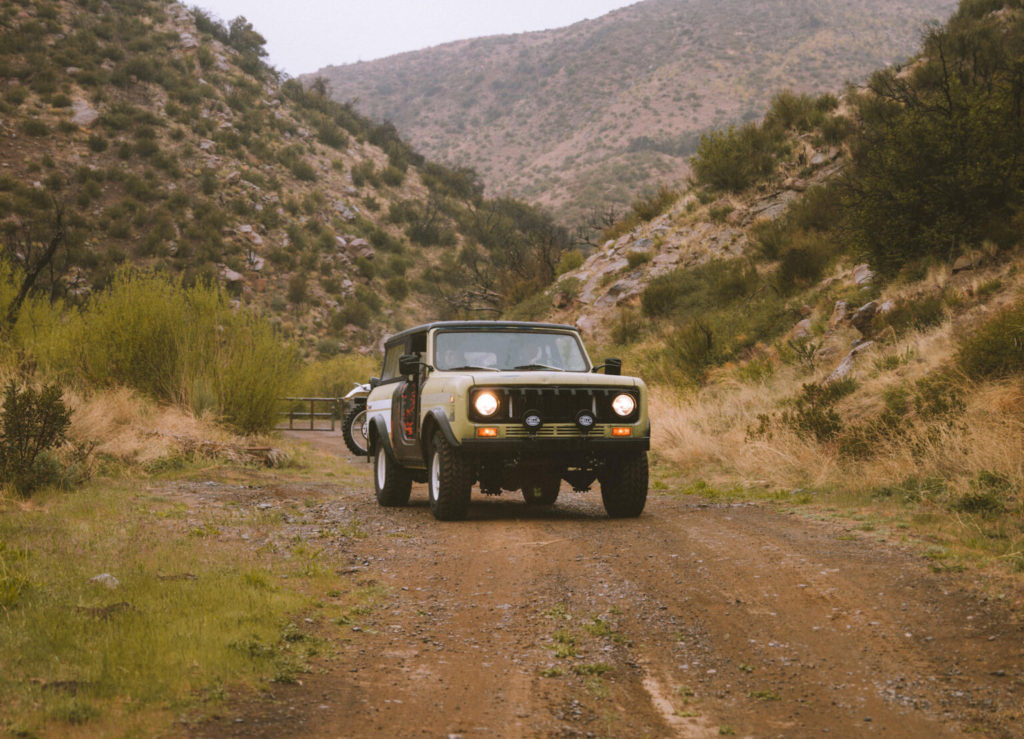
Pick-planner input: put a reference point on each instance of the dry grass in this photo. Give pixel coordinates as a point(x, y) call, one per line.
point(123, 425)
point(933, 477)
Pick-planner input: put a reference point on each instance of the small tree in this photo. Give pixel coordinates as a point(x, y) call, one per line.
point(33, 422)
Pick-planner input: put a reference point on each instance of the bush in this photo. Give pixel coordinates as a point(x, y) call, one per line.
point(734, 159)
point(813, 415)
point(804, 262)
point(34, 421)
point(397, 287)
point(636, 258)
point(996, 349)
point(35, 127)
point(690, 350)
point(920, 314)
point(175, 344)
point(97, 142)
point(569, 260)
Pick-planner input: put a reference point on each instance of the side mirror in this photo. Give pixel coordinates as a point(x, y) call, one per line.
point(409, 364)
point(610, 366)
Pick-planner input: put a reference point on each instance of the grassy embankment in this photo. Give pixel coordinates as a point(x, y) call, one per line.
point(214, 585)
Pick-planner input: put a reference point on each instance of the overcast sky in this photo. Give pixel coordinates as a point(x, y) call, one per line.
point(305, 35)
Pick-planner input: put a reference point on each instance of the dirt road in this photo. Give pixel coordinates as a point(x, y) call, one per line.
point(693, 620)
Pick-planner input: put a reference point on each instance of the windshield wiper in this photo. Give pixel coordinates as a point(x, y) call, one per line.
point(471, 367)
point(538, 367)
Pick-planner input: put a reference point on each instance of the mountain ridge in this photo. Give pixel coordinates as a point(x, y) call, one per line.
point(583, 117)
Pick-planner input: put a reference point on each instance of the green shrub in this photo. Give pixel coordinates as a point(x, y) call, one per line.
point(734, 159)
point(97, 143)
point(364, 173)
point(16, 95)
point(804, 261)
point(690, 350)
point(636, 258)
point(303, 170)
point(35, 127)
point(569, 260)
point(814, 415)
point(627, 327)
point(397, 287)
point(177, 345)
point(996, 349)
point(34, 421)
point(919, 314)
point(799, 111)
point(392, 176)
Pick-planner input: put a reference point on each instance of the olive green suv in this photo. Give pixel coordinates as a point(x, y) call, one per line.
point(510, 405)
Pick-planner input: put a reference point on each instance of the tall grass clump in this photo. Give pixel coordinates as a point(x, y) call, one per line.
point(995, 350)
point(176, 344)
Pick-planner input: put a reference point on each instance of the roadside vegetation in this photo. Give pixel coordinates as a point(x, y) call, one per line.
point(125, 610)
point(922, 437)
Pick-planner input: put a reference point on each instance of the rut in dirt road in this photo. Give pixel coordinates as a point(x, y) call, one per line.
point(693, 620)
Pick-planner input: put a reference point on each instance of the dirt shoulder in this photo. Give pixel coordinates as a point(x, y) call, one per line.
point(693, 620)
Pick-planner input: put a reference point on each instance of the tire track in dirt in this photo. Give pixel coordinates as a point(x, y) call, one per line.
point(707, 618)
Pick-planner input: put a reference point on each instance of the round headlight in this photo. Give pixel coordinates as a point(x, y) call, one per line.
point(486, 403)
point(624, 404)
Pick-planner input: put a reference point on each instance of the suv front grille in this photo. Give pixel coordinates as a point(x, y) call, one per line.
point(555, 405)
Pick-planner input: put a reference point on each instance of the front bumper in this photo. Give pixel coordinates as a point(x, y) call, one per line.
point(557, 440)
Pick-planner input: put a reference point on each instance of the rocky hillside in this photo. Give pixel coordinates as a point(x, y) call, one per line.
point(587, 116)
point(141, 132)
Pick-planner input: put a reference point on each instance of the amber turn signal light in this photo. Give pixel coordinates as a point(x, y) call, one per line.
point(622, 431)
point(487, 432)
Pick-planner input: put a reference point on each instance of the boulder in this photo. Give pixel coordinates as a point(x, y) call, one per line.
point(84, 114)
point(230, 276)
point(840, 314)
point(801, 330)
point(964, 263)
point(862, 274)
point(362, 248)
point(847, 365)
point(861, 320)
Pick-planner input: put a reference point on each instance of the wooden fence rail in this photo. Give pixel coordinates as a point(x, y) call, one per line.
point(331, 410)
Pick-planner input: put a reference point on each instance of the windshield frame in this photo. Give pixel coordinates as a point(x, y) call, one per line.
point(475, 359)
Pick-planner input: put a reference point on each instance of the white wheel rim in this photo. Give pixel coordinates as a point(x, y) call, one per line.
point(382, 475)
point(435, 474)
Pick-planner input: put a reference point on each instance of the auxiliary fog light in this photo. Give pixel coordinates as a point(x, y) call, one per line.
point(486, 403)
point(624, 404)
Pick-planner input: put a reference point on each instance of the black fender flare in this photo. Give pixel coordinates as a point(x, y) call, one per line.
point(379, 435)
point(436, 417)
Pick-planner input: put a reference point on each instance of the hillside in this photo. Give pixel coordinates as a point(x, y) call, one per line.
point(585, 117)
point(140, 132)
point(834, 312)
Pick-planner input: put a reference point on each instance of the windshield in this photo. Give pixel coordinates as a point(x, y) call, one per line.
point(509, 350)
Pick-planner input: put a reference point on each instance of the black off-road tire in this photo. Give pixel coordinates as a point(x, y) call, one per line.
point(448, 480)
point(352, 430)
point(542, 491)
point(391, 481)
point(624, 485)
